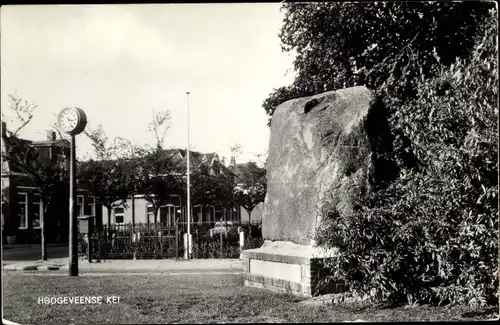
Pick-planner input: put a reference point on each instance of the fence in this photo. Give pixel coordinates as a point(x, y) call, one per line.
point(202, 229)
point(156, 241)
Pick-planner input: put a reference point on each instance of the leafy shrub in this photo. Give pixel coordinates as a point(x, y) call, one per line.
point(432, 234)
point(253, 242)
point(211, 248)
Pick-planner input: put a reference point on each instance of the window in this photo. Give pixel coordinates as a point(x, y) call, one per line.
point(79, 205)
point(119, 215)
point(197, 216)
point(219, 213)
point(92, 205)
point(149, 214)
point(209, 213)
point(36, 211)
point(22, 210)
point(236, 214)
point(167, 215)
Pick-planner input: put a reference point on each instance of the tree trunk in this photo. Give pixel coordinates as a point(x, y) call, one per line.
point(42, 233)
point(250, 223)
point(133, 210)
point(109, 216)
point(157, 210)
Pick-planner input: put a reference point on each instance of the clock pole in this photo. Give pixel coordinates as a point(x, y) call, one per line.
point(73, 121)
point(73, 231)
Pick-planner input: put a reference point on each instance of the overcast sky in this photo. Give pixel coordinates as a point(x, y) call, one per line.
point(120, 62)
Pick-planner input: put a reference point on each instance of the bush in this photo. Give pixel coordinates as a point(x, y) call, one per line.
point(432, 234)
point(253, 242)
point(211, 248)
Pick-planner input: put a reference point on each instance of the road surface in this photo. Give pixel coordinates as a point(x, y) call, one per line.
point(33, 253)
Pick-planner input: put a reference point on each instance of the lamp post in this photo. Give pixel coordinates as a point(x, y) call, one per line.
point(188, 185)
point(72, 121)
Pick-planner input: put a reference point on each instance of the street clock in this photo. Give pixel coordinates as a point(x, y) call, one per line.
point(72, 120)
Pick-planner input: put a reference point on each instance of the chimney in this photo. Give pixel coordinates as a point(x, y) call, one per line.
point(4, 129)
point(233, 161)
point(51, 136)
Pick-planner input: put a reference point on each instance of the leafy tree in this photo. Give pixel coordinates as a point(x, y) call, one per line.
point(209, 189)
point(49, 174)
point(109, 178)
point(432, 234)
point(250, 189)
point(159, 174)
point(340, 45)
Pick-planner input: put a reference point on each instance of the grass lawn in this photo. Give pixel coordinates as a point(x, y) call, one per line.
point(190, 298)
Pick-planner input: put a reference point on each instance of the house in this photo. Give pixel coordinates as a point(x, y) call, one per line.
point(139, 210)
point(21, 204)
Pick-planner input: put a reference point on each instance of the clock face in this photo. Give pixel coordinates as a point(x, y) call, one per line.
point(68, 120)
point(72, 120)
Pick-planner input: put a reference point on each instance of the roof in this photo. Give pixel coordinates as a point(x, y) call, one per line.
point(8, 141)
point(59, 142)
point(196, 158)
point(8, 168)
point(209, 157)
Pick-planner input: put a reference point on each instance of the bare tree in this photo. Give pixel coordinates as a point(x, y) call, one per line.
point(159, 126)
point(124, 148)
point(262, 158)
point(99, 141)
point(23, 112)
point(236, 150)
point(55, 127)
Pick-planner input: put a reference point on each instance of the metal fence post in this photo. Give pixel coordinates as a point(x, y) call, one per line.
point(242, 240)
point(89, 248)
point(221, 251)
point(177, 239)
point(98, 258)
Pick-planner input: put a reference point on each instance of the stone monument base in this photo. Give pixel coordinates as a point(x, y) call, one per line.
point(288, 267)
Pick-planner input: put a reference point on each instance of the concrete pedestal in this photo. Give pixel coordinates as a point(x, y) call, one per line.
point(288, 267)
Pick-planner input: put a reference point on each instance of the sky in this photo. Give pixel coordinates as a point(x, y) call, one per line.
point(120, 62)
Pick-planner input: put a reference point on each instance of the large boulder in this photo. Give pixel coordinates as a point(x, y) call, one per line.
point(320, 152)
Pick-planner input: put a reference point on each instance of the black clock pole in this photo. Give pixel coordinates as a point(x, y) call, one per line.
point(73, 231)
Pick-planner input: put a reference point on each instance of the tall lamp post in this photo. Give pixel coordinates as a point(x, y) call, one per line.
point(188, 186)
point(72, 121)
